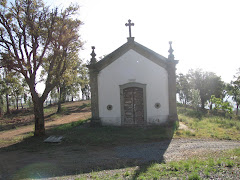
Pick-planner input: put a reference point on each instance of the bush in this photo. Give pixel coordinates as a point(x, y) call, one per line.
point(194, 176)
point(176, 125)
point(220, 105)
point(195, 114)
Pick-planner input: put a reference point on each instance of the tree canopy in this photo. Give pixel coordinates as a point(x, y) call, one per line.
point(34, 37)
point(206, 83)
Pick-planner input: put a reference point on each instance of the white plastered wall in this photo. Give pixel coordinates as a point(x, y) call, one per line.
point(133, 67)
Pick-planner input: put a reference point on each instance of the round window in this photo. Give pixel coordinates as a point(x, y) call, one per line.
point(109, 107)
point(157, 105)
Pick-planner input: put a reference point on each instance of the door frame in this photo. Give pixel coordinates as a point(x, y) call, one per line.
point(133, 84)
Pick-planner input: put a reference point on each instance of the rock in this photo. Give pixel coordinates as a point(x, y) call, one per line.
point(53, 139)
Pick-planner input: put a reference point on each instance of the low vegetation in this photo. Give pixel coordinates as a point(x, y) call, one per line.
point(195, 168)
point(208, 125)
point(223, 165)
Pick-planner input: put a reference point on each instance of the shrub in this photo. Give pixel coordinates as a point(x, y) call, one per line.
point(220, 105)
point(229, 163)
point(176, 125)
point(194, 176)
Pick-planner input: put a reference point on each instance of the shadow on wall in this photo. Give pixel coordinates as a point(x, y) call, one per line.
point(85, 149)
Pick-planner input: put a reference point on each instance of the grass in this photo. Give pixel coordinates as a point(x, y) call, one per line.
point(108, 136)
point(92, 136)
point(36, 170)
point(191, 169)
point(206, 125)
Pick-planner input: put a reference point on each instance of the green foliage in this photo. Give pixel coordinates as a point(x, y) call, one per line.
point(220, 105)
point(176, 125)
point(183, 88)
point(195, 98)
point(207, 83)
point(233, 89)
point(3, 3)
point(12, 89)
point(229, 163)
point(126, 174)
point(194, 176)
point(35, 37)
point(84, 80)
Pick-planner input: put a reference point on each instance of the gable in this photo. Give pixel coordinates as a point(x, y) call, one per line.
point(132, 45)
point(132, 65)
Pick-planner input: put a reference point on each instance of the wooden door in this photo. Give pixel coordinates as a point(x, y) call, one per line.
point(133, 106)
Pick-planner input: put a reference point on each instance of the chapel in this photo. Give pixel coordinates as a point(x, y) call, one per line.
point(133, 86)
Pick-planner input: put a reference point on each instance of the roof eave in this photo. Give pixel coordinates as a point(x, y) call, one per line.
point(142, 50)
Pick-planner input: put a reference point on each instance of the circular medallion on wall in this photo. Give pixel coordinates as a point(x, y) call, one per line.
point(109, 107)
point(157, 105)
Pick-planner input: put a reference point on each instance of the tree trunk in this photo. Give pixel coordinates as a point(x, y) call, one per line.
point(17, 102)
point(210, 107)
point(39, 118)
point(59, 106)
point(1, 103)
point(21, 103)
point(72, 98)
point(59, 101)
point(87, 92)
point(63, 93)
point(7, 101)
point(202, 104)
point(82, 94)
point(237, 109)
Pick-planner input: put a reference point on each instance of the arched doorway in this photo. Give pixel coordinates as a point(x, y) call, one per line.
point(133, 104)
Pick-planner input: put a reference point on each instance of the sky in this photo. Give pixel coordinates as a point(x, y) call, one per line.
point(205, 33)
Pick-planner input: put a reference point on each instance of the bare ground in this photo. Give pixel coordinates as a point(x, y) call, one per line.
point(75, 115)
point(76, 160)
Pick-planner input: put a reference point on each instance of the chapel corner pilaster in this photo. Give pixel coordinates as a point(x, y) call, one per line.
point(93, 74)
point(171, 69)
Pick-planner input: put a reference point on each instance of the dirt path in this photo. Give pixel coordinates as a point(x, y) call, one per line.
point(184, 127)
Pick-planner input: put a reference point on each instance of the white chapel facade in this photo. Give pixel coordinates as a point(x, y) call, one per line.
point(133, 86)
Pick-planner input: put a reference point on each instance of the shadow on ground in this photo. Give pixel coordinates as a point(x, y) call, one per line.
point(85, 149)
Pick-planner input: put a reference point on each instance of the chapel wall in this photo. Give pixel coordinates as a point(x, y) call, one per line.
point(133, 67)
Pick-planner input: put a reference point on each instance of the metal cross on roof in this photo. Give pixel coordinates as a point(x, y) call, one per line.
point(129, 24)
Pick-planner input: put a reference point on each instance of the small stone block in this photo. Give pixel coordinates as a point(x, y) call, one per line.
point(53, 139)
